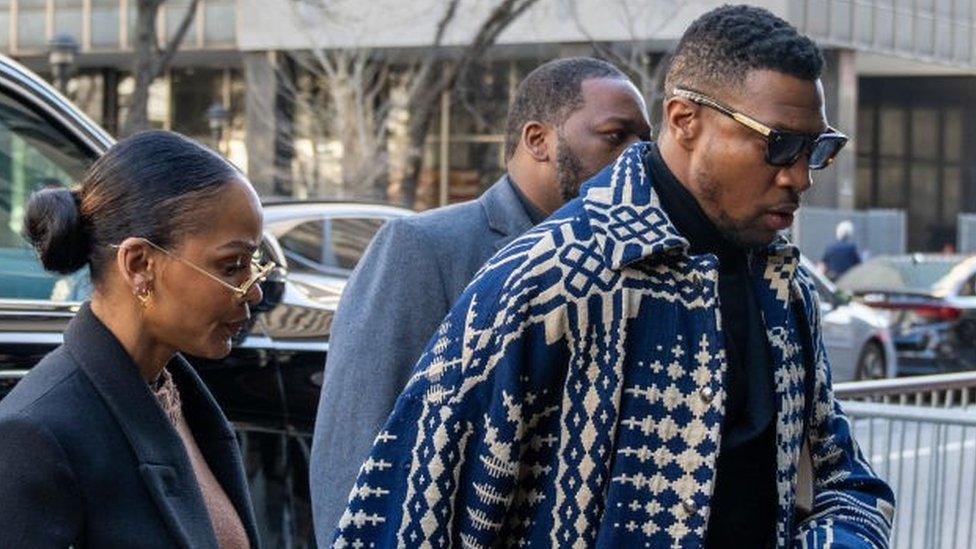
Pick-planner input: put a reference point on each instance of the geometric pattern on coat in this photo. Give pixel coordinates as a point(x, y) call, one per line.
point(573, 397)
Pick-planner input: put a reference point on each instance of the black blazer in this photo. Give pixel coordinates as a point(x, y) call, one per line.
point(89, 459)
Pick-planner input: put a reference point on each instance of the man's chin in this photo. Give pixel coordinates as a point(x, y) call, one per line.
point(750, 239)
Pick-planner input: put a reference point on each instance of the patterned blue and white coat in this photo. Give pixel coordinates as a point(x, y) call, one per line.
point(573, 397)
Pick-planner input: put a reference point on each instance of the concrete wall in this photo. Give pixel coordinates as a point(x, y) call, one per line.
point(938, 31)
point(929, 30)
point(834, 187)
point(288, 24)
point(876, 232)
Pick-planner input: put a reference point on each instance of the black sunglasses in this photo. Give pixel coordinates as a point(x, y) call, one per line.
point(783, 148)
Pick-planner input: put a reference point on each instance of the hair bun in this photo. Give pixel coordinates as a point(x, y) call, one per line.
point(55, 227)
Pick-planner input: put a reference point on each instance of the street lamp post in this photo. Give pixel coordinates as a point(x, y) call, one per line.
point(217, 118)
point(61, 56)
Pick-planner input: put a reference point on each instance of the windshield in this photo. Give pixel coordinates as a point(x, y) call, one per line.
point(908, 274)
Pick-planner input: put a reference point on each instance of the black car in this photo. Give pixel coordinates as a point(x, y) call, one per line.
point(930, 302)
point(269, 384)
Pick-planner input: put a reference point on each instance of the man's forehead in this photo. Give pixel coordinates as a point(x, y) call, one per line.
point(611, 97)
point(783, 101)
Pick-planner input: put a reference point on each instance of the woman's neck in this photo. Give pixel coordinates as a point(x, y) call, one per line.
point(128, 326)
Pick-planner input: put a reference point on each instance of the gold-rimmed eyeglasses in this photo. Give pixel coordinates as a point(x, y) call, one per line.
point(783, 148)
point(259, 272)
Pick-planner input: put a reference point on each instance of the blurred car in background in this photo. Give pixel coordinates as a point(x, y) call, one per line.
point(323, 241)
point(856, 337)
point(930, 303)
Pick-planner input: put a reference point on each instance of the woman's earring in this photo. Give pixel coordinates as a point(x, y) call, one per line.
point(143, 294)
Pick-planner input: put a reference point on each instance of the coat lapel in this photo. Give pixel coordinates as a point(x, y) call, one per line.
point(216, 441)
point(506, 215)
point(163, 462)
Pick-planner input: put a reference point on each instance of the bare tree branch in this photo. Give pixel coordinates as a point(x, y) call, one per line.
point(428, 88)
point(166, 56)
point(647, 70)
point(380, 111)
point(149, 62)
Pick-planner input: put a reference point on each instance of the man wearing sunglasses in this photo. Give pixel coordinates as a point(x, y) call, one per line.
point(645, 368)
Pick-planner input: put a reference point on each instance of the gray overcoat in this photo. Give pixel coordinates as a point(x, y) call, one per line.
point(413, 271)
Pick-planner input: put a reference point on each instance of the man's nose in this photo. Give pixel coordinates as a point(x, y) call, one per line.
point(797, 176)
point(254, 295)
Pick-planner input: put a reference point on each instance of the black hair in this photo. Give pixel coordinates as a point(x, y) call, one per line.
point(149, 185)
point(720, 48)
point(551, 92)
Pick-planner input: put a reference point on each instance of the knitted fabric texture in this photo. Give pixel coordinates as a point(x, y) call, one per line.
point(573, 397)
point(226, 523)
point(169, 397)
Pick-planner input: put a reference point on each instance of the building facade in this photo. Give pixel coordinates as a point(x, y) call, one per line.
point(901, 80)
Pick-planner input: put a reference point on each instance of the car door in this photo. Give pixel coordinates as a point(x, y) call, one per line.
point(837, 328)
point(43, 143)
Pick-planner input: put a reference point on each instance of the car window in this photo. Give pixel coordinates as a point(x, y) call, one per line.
point(35, 152)
point(968, 289)
point(898, 274)
point(329, 246)
point(826, 296)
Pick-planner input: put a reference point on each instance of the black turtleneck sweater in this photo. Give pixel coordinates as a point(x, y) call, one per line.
point(743, 505)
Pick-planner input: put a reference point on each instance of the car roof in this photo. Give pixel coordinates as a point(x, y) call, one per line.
point(959, 268)
point(275, 212)
point(34, 88)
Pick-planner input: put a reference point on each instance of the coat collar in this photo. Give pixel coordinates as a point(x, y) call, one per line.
point(504, 211)
point(627, 219)
point(163, 460)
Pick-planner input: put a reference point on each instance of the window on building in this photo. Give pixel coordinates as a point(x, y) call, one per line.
point(175, 11)
point(910, 142)
point(5, 25)
point(68, 15)
point(87, 92)
point(31, 24)
point(220, 18)
point(193, 91)
point(105, 21)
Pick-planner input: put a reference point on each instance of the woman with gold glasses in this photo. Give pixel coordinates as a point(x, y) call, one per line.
point(113, 440)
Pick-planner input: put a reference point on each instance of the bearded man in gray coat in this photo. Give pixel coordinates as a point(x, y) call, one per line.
point(569, 118)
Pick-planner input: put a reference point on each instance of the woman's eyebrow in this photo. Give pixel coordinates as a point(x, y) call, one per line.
point(243, 245)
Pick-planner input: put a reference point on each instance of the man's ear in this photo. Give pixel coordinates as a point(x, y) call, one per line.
point(682, 120)
point(537, 139)
point(135, 263)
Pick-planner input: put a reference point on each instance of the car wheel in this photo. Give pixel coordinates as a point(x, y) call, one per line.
point(871, 363)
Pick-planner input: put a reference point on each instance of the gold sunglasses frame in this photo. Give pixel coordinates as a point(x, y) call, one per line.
point(753, 124)
point(240, 292)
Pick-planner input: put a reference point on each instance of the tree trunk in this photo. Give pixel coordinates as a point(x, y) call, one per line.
point(150, 61)
point(421, 116)
point(137, 118)
point(439, 79)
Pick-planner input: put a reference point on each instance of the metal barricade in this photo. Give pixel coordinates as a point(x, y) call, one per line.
point(944, 390)
point(919, 434)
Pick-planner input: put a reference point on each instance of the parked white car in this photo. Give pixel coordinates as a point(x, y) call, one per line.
point(858, 341)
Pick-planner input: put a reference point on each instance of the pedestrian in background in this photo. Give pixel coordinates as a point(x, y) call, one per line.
point(112, 440)
point(842, 254)
point(568, 119)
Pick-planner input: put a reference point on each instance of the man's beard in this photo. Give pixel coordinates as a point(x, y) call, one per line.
point(569, 170)
point(736, 232)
